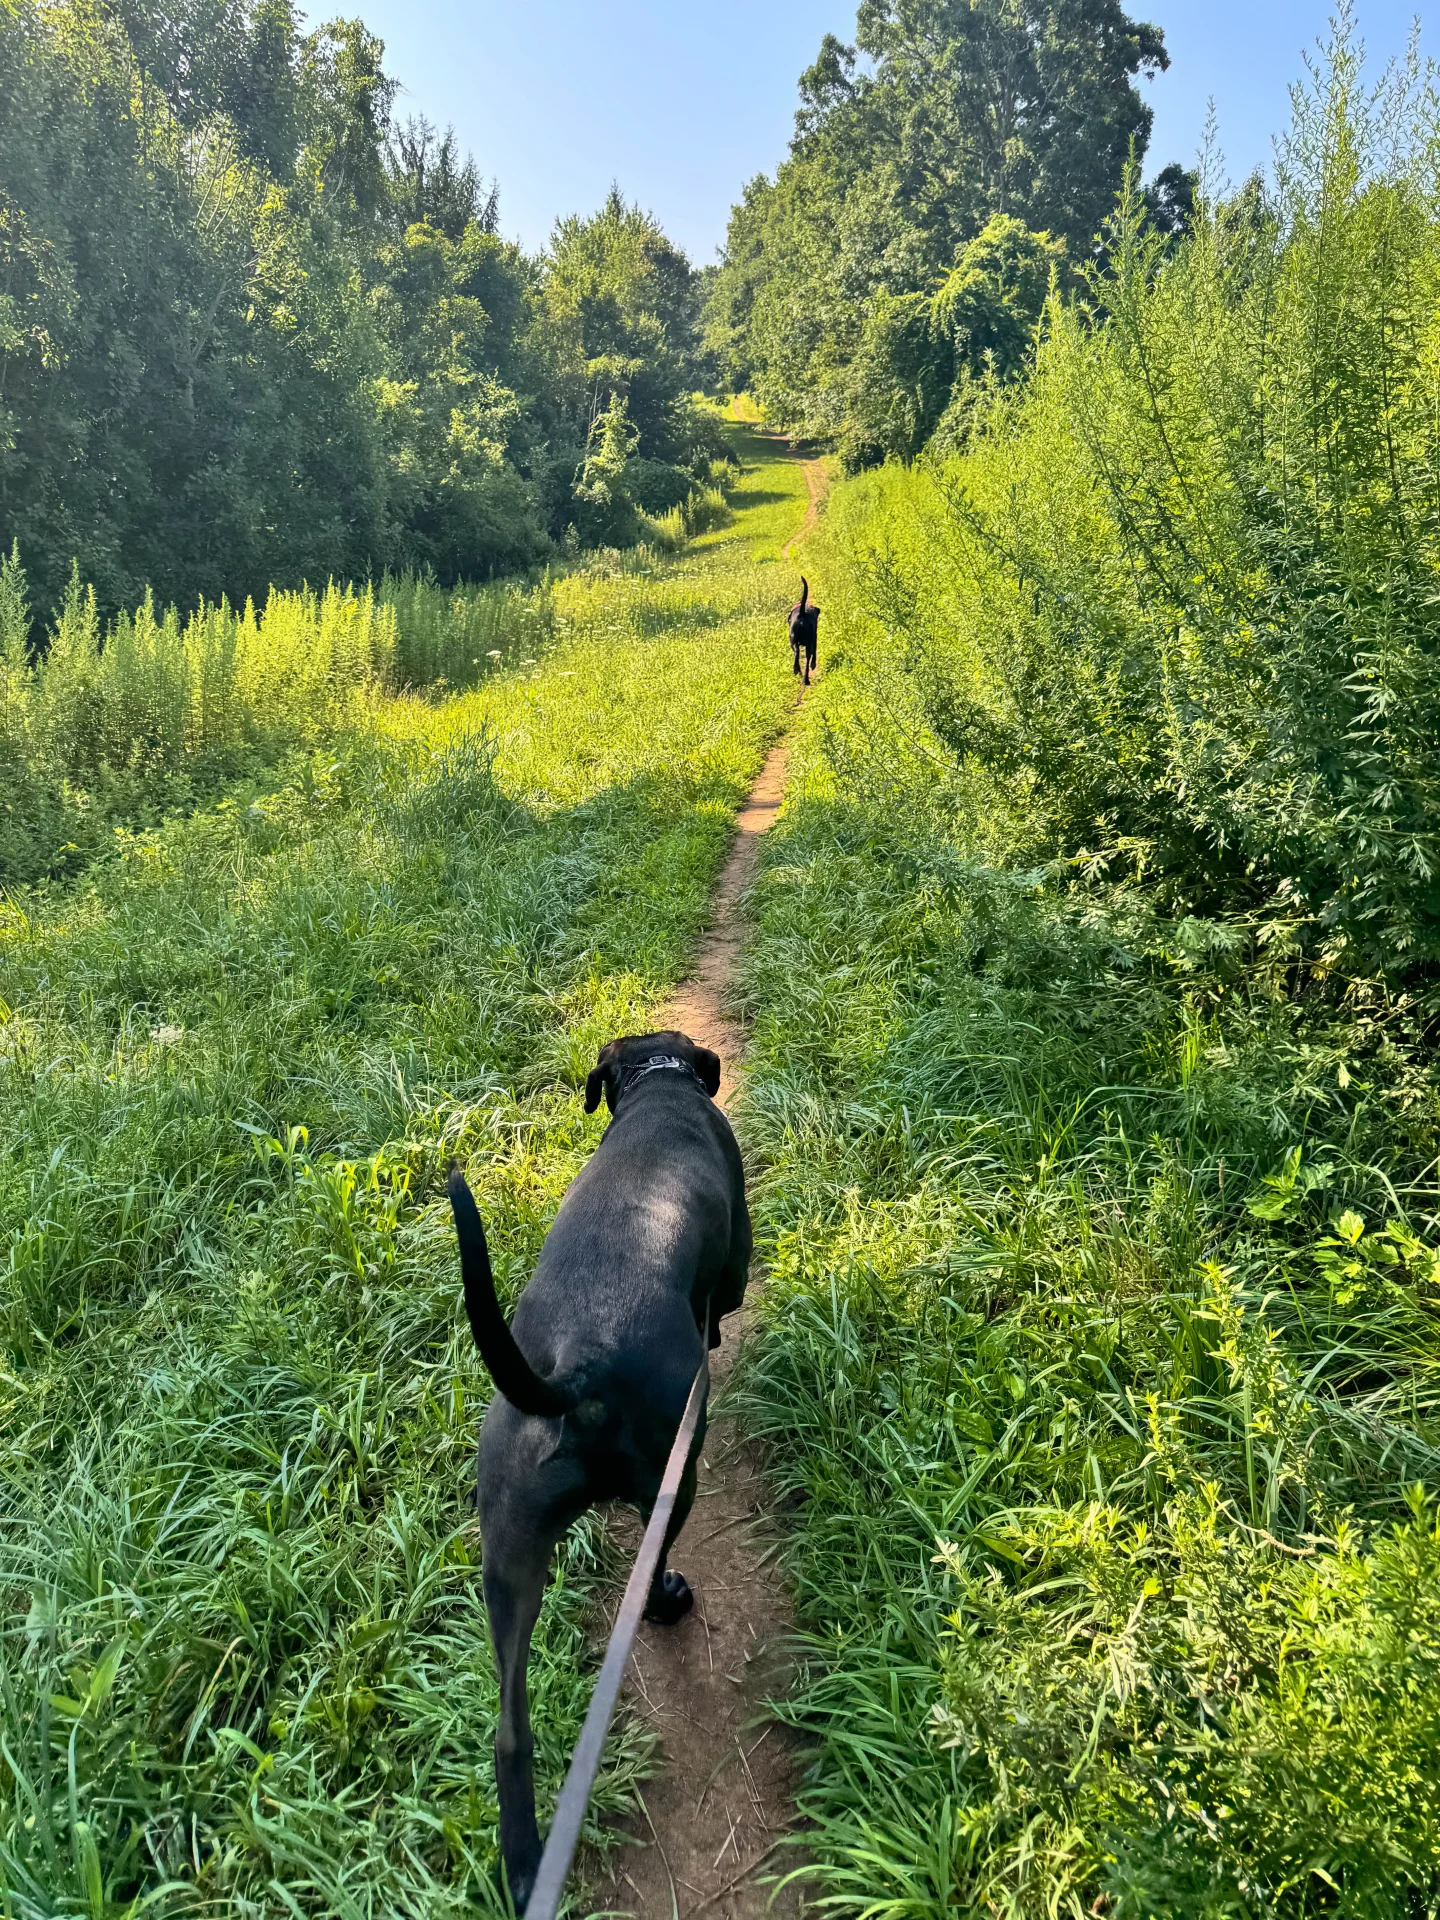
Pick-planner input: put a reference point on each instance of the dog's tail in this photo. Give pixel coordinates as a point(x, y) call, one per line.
point(804, 593)
point(508, 1367)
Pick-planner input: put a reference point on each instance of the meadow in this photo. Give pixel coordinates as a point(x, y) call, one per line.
point(1092, 1108)
point(245, 1667)
point(1094, 1083)
point(110, 725)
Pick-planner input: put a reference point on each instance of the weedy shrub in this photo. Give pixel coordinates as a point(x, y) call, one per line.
point(1099, 1353)
point(1179, 591)
point(455, 637)
point(1100, 1359)
point(703, 510)
point(243, 1658)
point(119, 725)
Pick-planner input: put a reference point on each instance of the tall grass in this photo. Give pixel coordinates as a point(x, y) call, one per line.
point(1100, 1113)
point(704, 509)
point(106, 727)
point(452, 638)
point(243, 1662)
point(1179, 591)
point(1100, 1362)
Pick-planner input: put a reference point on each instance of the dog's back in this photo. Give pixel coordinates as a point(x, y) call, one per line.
point(650, 1247)
point(638, 1249)
point(804, 624)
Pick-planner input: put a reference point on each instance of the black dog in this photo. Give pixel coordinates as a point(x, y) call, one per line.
point(804, 629)
point(650, 1247)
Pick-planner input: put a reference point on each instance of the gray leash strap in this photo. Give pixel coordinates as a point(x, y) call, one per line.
point(585, 1761)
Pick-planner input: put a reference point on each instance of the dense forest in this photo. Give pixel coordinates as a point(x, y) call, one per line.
point(256, 329)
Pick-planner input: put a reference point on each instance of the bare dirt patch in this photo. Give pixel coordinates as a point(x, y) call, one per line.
point(818, 481)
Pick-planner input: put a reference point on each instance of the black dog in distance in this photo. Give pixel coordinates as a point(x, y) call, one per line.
point(804, 630)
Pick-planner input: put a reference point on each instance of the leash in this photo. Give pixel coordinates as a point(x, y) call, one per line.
point(574, 1798)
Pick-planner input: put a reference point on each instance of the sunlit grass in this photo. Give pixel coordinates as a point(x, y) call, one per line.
point(1107, 1405)
point(245, 1666)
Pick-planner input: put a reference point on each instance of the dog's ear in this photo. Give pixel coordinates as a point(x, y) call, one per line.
point(707, 1065)
point(603, 1076)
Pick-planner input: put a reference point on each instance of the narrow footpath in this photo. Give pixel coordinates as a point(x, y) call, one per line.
point(818, 481)
point(723, 1798)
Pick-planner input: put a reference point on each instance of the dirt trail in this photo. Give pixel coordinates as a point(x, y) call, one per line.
point(724, 1795)
point(818, 482)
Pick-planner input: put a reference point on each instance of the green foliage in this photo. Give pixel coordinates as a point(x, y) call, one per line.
point(254, 332)
point(244, 1663)
point(1100, 1363)
point(1096, 1093)
point(620, 303)
point(919, 356)
point(962, 114)
point(991, 301)
point(1030, 111)
point(610, 518)
point(1178, 590)
point(113, 727)
point(116, 726)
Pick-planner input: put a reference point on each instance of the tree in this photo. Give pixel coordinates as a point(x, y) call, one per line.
point(1022, 107)
point(452, 425)
point(618, 336)
point(623, 299)
point(990, 302)
point(253, 331)
point(235, 58)
point(430, 180)
point(942, 115)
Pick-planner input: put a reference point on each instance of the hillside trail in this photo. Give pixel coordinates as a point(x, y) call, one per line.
point(724, 1797)
point(818, 481)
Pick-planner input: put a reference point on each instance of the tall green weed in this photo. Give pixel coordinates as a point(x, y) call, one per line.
point(1179, 592)
point(106, 727)
point(1100, 1361)
point(1094, 1083)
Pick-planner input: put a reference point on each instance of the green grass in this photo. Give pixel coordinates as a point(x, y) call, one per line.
point(244, 1666)
point(1099, 1359)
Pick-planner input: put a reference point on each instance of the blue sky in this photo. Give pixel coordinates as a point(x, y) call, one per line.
point(682, 101)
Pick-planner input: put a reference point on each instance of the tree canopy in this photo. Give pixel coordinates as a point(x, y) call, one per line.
point(252, 329)
point(944, 121)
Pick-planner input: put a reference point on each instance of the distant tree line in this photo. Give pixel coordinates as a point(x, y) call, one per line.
point(944, 167)
point(253, 328)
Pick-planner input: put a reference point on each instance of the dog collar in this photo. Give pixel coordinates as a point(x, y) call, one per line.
point(657, 1063)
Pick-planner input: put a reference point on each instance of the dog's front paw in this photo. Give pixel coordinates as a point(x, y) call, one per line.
point(670, 1599)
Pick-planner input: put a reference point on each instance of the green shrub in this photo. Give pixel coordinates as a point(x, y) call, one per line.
point(1178, 591)
point(1099, 1108)
point(1103, 1411)
point(657, 487)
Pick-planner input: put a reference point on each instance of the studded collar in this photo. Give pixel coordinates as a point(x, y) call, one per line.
point(657, 1063)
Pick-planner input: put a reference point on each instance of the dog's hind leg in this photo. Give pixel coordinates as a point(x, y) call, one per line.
point(670, 1598)
point(520, 1524)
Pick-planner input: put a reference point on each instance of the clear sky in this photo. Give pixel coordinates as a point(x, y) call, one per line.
point(682, 101)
